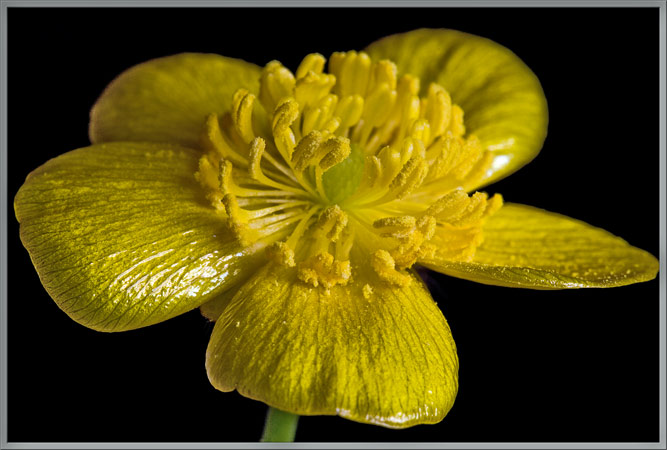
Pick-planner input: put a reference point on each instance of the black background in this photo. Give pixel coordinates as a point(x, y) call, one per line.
point(558, 366)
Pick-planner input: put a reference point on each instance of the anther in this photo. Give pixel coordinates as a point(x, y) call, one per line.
point(331, 223)
point(384, 71)
point(349, 110)
point(306, 150)
point(410, 177)
point(385, 267)
point(276, 83)
point(311, 63)
point(335, 150)
point(352, 70)
point(242, 103)
point(449, 205)
point(286, 113)
point(323, 269)
point(281, 253)
point(312, 87)
point(438, 109)
point(283, 136)
point(397, 227)
point(256, 151)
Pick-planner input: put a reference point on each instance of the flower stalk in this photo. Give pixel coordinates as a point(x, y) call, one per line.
point(280, 426)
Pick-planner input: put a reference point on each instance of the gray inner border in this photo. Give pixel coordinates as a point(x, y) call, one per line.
point(4, 202)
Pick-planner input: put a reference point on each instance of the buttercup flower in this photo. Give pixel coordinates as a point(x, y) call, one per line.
point(292, 207)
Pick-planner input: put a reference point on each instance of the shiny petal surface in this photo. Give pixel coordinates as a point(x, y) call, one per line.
point(501, 97)
point(167, 99)
point(385, 357)
point(532, 248)
point(122, 237)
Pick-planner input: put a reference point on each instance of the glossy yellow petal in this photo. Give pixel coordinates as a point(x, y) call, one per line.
point(122, 236)
point(366, 351)
point(501, 97)
point(168, 99)
point(532, 248)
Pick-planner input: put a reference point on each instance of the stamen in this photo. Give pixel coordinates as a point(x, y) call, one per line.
point(321, 267)
point(325, 270)
point(320, 116)
point(276, 84)
point(255, 169)
point(312, 87)
point(456, 126)
point(384, 72)
point(237, 221)
point(242, 114)
point(349, 111)
point(335, 150)
point(305, 151)
point(214, 142)
point(413, 151)
point(397, 227)
point(438, 110)
point(281, 253)
point(311, 63)
point(331, 223)
point(352, 72)
point(283, 136)
point(409, 178)
point(385, 267)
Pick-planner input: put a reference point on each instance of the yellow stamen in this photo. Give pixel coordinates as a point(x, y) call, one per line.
point(335, 150)
point(242, 114)
point(352, 71)
point(349, 111)
point(283, 136)
point(438, 110)
point(385, 267)
point(311, 63)
point(276, 84)
point(306, 150)
point(281, 253)
point(312, 87)
point(403, 187)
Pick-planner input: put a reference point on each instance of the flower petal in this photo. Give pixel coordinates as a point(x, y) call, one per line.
point(122, 237)
point(168, 99)
point(533, 248)
point(503, 100)
point(385, 357)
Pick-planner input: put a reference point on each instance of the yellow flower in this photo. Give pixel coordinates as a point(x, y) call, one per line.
point(292, 207)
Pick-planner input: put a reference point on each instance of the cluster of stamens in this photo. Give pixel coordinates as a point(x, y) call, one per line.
point(269, 172)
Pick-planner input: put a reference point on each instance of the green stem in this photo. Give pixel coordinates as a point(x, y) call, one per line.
point(280, 426)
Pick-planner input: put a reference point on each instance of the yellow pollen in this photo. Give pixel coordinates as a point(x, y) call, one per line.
point(323, 269)
point(242, 114)
point(409, 178)
point(352, 157)
point(335, 150)
point(385, 267)
point(331, 223)
point(281, 253)
point(367, 291)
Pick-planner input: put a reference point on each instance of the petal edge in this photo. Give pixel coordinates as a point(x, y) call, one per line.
point(502, 98)
point(120, 237)
point(533, 248)
point(167, 99)
point(388, 359)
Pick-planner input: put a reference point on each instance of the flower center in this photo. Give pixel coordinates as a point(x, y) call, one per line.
point(346, 165)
